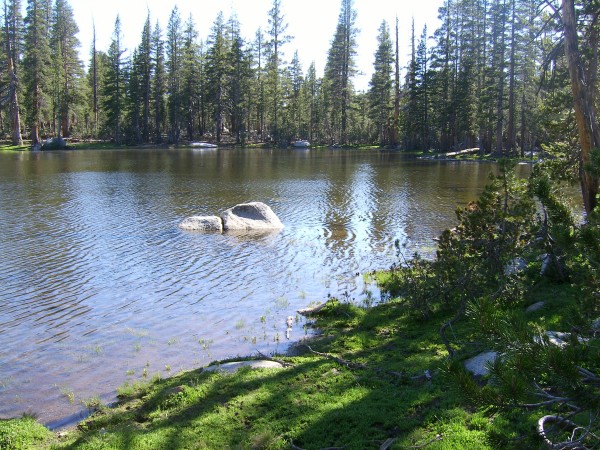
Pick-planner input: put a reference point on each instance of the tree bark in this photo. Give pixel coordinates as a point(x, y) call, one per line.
point(582, 87)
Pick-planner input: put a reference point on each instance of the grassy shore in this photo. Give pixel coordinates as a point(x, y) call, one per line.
point(374, 378)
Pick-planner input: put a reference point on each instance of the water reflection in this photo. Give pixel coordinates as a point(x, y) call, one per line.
point(101, 286)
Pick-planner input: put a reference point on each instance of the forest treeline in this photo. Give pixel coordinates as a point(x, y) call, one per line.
point(494, 75)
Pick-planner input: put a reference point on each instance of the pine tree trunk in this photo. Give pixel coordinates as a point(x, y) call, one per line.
point(15, 116)
point(582, 87)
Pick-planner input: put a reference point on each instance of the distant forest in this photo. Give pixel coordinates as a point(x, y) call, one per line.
point(495, 75)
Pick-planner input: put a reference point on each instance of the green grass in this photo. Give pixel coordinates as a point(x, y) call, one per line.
point(5, 147)
point(25, 433)
point(319, 402)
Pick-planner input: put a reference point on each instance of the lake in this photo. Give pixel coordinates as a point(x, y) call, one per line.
point(100, 286)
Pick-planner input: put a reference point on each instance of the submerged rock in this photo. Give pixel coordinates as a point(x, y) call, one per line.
point(253, 216)
point(202, 223)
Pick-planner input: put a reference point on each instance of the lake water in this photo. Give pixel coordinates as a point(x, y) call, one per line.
point(99, 285)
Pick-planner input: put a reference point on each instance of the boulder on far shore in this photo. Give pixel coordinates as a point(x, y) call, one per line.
point(56, 143)
point(253, 216)
point(202, 223)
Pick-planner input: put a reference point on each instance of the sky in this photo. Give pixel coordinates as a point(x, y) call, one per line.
point(311, 23)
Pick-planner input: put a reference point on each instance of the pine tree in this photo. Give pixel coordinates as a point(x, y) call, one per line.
point(10, 87)
point(93, 82)
point(275, 61)
point(144, 69)
point(158, 102)
point(113, 89)
point(380, 92)
point(258, 93)
point(395, 139)
point(68, 67)
point(133, 99)
point(216, 74)
point(417, 117)
point(312, 93)
point(174, 62)
point(295, 100)
point(583, 71)
point(36, 65)
point(14, 27)
point(190, 77)
point(95, 113)
point(499, 12)
point(340, 69)
point(240, 77)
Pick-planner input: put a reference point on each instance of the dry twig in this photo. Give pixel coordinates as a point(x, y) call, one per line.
point(343, 362)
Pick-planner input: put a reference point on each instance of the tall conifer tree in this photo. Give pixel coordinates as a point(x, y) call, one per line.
point(380, 92)
point(174, 62)
point(12, 37)
point(275, 61)
point(216, 73)
point(36, 65)
point(158, 102)
point(113, 91)
point(68, 67)
point(340, 69)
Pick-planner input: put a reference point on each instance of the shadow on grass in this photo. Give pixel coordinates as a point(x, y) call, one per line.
point(318, 403)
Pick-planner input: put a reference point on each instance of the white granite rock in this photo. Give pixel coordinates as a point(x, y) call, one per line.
point(202, 223)
point(253, 216)
point(477, 364)
point(234, 366)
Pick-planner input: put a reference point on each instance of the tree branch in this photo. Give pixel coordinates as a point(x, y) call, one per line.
point(343, 362)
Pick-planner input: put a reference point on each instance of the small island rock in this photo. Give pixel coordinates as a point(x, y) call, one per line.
point(253, 216)
point(202, 223)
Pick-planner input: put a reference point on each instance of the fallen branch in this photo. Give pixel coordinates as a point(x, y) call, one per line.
point(567, 425)
point(387, 444)
point(588, 376)
point(343, 362)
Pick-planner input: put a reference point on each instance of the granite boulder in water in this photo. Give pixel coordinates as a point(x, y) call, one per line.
point(253, 216)
point(202, 223)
